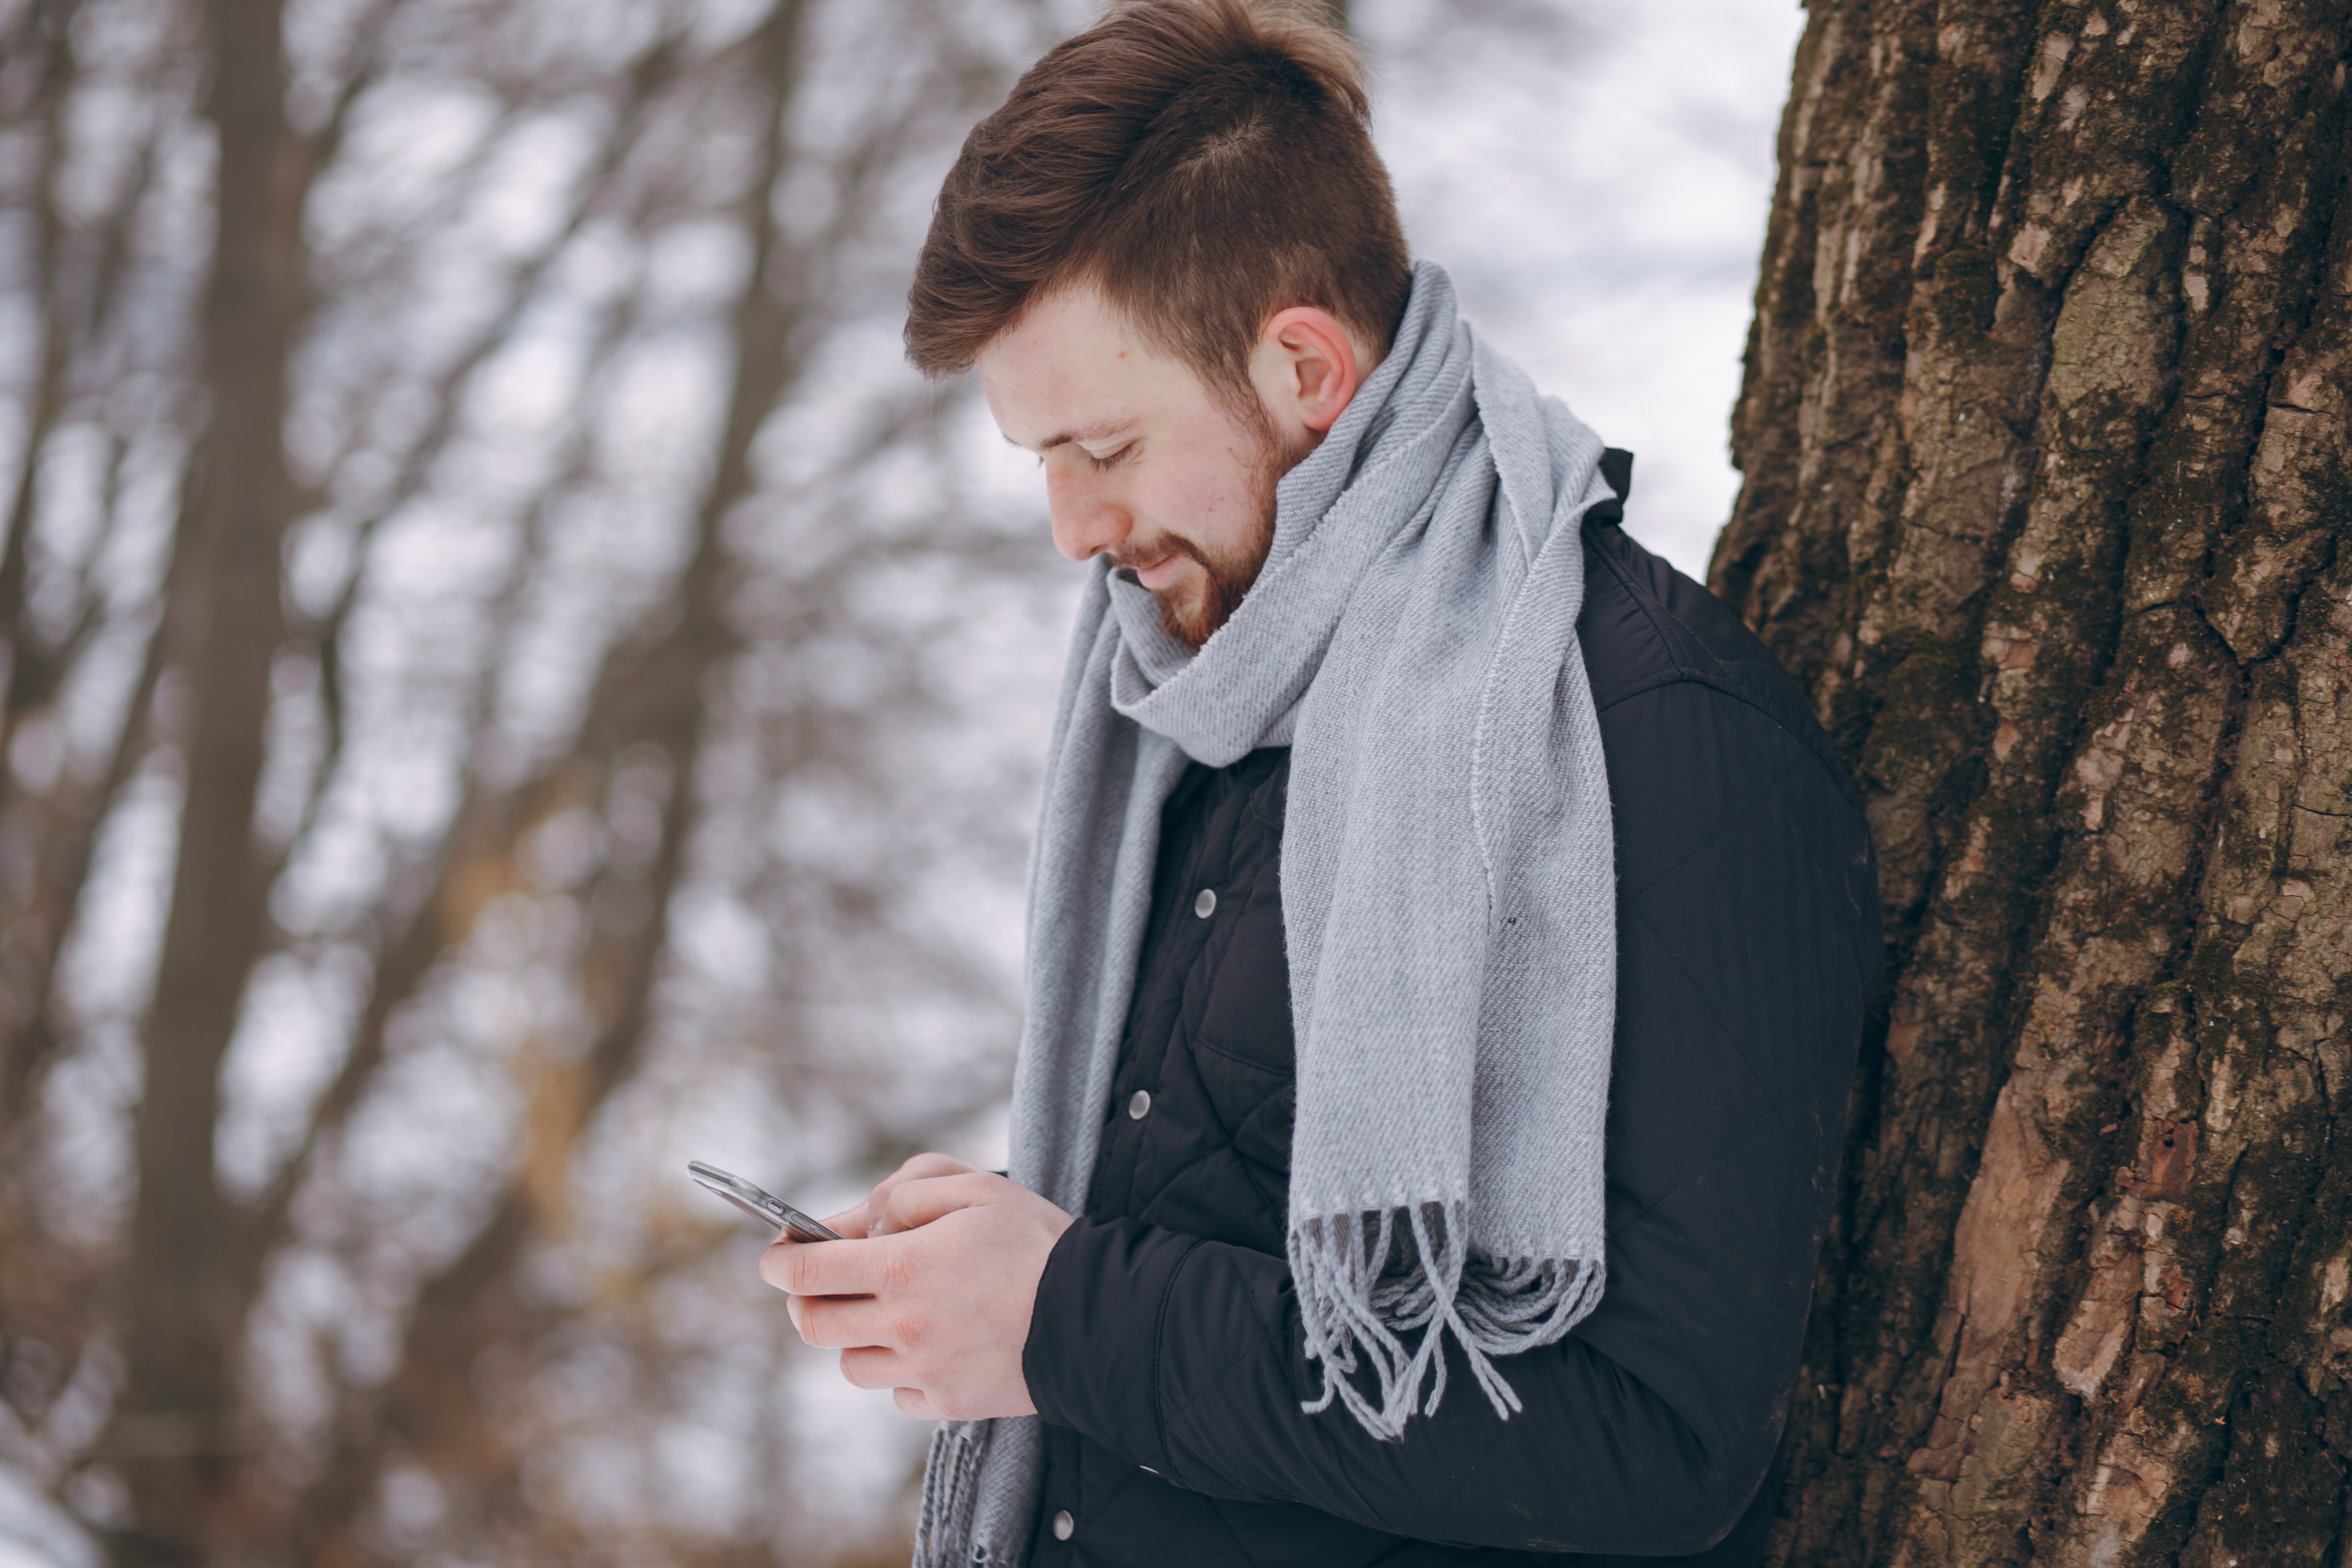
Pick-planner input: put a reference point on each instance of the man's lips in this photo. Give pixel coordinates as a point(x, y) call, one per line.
point(1156, 573)
point(1161, 572)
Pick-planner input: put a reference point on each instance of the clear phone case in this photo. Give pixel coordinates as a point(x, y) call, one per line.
point(759, 1204)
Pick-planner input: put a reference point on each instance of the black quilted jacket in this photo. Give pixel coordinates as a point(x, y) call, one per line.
point(1165, 1351)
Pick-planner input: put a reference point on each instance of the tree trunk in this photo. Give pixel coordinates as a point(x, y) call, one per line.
point(176, 1433)
point(2048, 478)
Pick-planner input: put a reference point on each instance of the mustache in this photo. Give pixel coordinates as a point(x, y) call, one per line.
point(1135, 558)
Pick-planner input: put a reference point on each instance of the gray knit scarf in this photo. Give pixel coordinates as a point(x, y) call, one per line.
point(1448, 892)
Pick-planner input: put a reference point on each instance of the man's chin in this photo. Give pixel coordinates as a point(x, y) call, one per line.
point(1184, 614)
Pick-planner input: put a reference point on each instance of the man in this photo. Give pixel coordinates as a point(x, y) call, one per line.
point(1449, 932)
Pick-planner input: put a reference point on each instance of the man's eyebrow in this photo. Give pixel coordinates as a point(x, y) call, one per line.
point(1099, 431)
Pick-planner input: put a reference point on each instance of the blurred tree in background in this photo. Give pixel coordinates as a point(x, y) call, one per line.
point(493, 709)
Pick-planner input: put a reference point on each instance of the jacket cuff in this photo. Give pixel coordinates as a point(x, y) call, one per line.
point(1093, 1354)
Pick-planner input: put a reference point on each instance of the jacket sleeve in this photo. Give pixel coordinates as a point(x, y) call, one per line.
point(1747, 939)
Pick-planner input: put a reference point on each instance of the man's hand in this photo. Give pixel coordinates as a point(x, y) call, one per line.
point(858, 1222)
point(932, 1295)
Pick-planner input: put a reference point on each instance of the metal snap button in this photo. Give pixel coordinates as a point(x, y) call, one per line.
point(1138, 1105)
point(1206, 904)
point(1064, 1526)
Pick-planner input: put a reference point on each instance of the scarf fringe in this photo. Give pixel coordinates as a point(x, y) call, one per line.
point(1359, 1306)
point(951, 1487)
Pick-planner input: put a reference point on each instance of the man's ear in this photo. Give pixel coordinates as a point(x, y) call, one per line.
point(1306, 366)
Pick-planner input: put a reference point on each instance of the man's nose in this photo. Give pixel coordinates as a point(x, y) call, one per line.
point(1087, 518)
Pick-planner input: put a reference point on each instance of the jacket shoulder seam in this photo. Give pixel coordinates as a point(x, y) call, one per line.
point(1657, 614)
point(1681, 669)
point(1815, 748)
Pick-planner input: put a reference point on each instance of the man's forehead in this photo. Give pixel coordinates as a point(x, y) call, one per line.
point(1040, 416)
point(1071, 315)
point(1071, 369)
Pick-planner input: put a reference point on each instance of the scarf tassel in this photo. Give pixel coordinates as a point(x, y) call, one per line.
point(943, 1532)
point(1380, 1292)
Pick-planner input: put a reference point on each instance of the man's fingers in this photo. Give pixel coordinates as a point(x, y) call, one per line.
point(854, 1221)
point(847, 1323)
point(873, 1366)
point(918, 1203)
point(915, 1402)
point(934, 1163)
point(922, 1167)
point(826, 1267)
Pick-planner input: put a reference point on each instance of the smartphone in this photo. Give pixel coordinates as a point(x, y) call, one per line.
point(759, 1205)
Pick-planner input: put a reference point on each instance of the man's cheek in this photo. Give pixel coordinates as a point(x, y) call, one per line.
point(1179, 501)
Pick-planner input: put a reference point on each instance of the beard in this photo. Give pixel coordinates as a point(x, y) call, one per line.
point(1191, 613)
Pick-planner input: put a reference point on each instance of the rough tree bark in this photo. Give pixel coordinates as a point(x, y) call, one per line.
point(2048, 481)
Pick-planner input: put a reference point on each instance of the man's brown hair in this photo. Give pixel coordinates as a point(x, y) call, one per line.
point(1204, 162)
